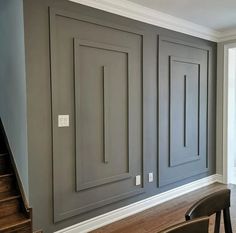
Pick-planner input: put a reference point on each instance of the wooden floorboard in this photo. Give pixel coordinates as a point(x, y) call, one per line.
point(159, 217)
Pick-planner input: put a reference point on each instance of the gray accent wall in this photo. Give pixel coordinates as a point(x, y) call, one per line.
point(13, 83)
point(102, 93)
point(59, 37)
point(183, 112)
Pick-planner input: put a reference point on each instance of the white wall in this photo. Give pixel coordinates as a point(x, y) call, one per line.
point(219, 114)
point(219, 109)
point(231, 111)
point(13, 83)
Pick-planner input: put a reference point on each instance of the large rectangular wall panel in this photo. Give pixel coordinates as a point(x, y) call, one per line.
point(184, 78)
point(97, 81)
point(102, 114)
point(183, 110)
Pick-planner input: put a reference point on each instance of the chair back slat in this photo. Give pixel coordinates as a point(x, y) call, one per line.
point(217, 222)
point(227, 221)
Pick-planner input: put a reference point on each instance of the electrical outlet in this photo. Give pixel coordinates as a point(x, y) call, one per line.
point(150, 177)
point(63, 121)
point(138, 180)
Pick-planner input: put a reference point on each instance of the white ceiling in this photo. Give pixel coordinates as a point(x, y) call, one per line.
point(219, 15)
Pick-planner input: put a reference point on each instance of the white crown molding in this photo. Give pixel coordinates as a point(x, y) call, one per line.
point(118, 214)
point(227, 35)
point(144, 14)
point(147, 15)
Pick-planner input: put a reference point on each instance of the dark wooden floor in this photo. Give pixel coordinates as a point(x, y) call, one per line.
point(168, 213)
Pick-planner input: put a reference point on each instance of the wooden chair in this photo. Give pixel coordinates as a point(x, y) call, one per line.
point(213, 204)
point(199, 225)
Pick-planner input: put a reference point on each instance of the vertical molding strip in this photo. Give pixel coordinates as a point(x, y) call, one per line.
point(185, 110)
point(209, 76)
point(105, 115)
point(199, 110)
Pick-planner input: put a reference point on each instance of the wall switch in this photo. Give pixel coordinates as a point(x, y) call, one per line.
point(63, 121)
point(150, 177)
point(138, 180)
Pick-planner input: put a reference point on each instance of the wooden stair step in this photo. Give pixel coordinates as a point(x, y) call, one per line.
point(5, 163)
point(3, 149)
point(10, 207)
point(4, 158)
point(7, 182)
point(13, 222)
point(15, 215)
point(10, 174)
point(9, 195)
point(6, 170)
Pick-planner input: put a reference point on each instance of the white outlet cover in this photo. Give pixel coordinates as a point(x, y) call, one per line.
point(63, 120)
point(138, 180)
point(150, 177)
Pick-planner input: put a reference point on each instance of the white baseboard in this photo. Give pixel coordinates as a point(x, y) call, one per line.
point(118, 214)
point(219, 178)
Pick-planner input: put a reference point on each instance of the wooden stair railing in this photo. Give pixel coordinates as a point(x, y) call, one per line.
point(15, 213)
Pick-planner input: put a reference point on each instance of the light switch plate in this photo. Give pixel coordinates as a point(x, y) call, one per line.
point(63, 121)
point(150, 177)
point(138, 180)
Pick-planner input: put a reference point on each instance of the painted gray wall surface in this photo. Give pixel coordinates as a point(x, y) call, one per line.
point(39, 109)
point(13, 83)
point(102, 94)
point(183, 125)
